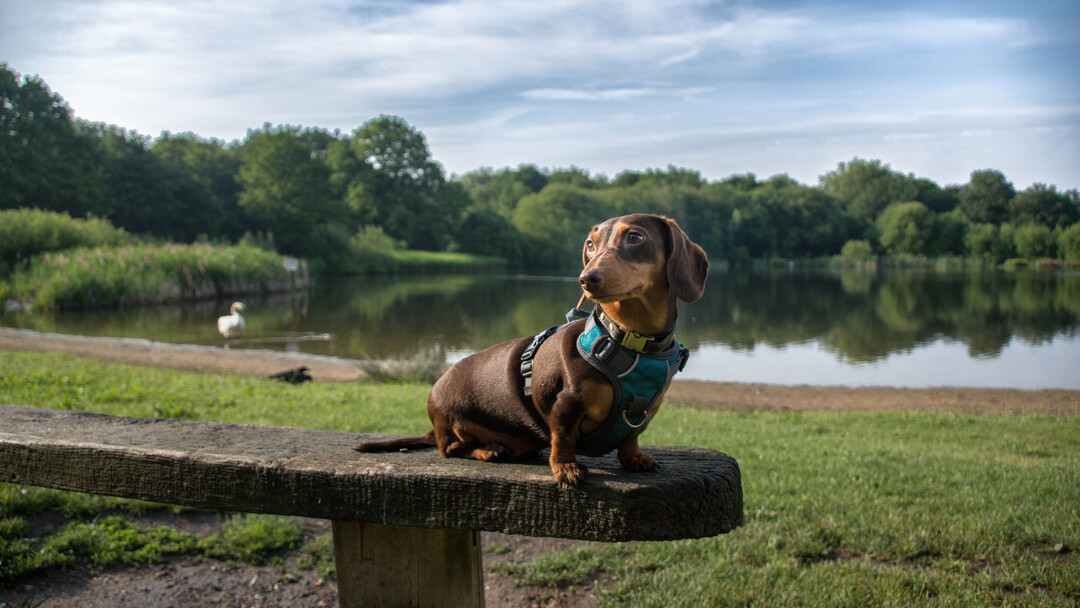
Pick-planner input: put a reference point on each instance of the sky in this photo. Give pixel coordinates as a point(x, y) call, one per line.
point(936, 88)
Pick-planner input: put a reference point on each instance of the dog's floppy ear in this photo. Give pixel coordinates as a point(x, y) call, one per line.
point(687, 264)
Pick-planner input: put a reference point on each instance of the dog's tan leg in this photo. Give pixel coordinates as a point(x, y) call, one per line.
point(633, 459)
point(566, 417)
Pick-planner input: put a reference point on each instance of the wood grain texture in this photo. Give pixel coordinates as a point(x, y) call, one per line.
point(311, 473)
point(408, 566)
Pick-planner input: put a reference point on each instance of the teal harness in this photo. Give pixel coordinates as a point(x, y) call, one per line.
point(638, 375)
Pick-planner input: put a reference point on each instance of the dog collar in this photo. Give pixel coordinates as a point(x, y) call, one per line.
point(647, 344)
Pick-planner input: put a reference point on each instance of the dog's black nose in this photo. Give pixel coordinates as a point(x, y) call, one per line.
point(590, 279)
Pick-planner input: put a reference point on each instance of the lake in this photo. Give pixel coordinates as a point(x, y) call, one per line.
point(858, 328)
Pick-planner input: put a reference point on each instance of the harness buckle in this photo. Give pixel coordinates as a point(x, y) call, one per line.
point(633, 341)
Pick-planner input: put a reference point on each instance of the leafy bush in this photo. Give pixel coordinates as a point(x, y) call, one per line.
point(857, 250)
point(906, 229)
point(557, 219)
point(1034, 241)
point(1069, 243)
point(369, 251)
point(485, 232)
point(25, 233)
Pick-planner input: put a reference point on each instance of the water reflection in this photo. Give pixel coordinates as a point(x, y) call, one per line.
point(845, 322)
point(863, 317)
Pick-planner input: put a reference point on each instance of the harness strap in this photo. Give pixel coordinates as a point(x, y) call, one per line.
point(572, 315)
point(530, 353)
point(637, 378)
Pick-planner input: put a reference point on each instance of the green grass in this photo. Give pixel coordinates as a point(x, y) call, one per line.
point(863, 509)
point(424, 262)
point(840, 508)
point(25, 233)
point(86, 278)
point(67, 382)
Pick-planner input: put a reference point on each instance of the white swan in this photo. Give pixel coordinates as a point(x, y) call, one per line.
point(231, 326)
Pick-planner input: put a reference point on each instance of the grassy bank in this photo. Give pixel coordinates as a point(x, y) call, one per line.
point(431, 262)
point(841, 508)
point(133, 275)
point(25, 233)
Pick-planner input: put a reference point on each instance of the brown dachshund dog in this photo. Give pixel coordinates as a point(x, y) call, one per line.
point(636, 266)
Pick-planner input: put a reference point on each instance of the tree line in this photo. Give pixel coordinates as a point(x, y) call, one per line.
point(326, 195)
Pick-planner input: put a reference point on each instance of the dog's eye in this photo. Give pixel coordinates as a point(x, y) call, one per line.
point(634, 237)
point(589, 246)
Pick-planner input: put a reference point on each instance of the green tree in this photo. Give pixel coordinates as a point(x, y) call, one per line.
point(1069, 242)
point(947, 234)
point(44, 161)
point(286, 187)
point(706, 218)
point(906, 228)
point(1042, 204)
point(352, 181)
point(864, 188)
point(485, 232)
point(936, 198)
point(557, 219)
point(214, 168)
point(985, 200)
point(406, 193)
point(576, 177)
point(744, 182)
point(501, 190)
point(793, 220)
point(144, 194)
point(1034, 241)
point(981, 242)
point(674, 176)
point(857, 250)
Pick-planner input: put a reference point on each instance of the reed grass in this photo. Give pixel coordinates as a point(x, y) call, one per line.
point(132, 275)
point(430, 262)
point(427, 367)
point(25, 233)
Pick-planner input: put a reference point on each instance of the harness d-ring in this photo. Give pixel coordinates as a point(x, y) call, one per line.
point(631, 424)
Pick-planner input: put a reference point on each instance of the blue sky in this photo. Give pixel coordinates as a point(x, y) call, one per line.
point(938, 89)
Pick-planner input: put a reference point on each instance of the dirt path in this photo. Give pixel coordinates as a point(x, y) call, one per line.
point(735, 396)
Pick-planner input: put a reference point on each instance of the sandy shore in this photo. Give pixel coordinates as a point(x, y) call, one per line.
point(734, 396)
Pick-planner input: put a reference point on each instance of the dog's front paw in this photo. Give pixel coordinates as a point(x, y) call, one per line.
point(638, 461)
point(570, 473)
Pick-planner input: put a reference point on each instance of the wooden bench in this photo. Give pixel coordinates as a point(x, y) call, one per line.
point(405, 525)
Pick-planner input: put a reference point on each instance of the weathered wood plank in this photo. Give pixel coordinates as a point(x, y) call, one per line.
point(407, 566)
point(312, 473)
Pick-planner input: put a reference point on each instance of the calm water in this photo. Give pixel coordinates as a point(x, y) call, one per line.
point(914, 329)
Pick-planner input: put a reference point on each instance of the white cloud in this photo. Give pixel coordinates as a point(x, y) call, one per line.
point(557, 82)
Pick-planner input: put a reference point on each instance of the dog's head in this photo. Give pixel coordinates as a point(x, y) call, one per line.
point(642, 256)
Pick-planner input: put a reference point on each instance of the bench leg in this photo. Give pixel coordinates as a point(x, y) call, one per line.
point(391, 566)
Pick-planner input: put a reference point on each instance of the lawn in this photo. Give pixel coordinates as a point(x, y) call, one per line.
point(840, 508)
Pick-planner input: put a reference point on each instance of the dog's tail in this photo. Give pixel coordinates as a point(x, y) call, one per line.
point(400, 444)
